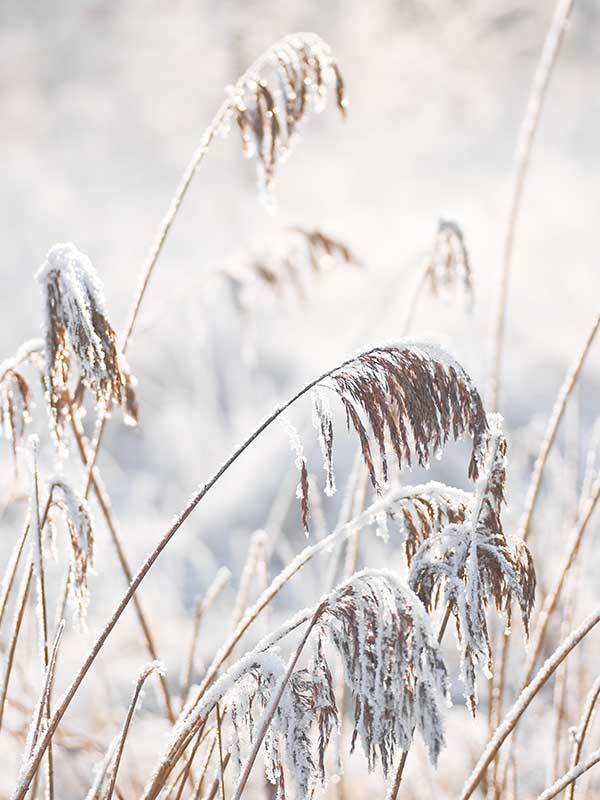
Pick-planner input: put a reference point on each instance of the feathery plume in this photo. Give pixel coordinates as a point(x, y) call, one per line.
point(470, 564)
point(449, 263)
point(416, 396)
point(81, 538)
point(286, 263)
point(15, 393)
point(77, 328)
point(271, 102)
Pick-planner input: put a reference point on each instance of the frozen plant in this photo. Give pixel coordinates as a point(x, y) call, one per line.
point(76, 327)
point(471, 564)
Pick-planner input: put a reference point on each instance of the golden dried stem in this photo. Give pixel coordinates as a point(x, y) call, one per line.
point(14, 636)
point(522, 702)
point(105, 508)
point(529, 127)
point(582, 730)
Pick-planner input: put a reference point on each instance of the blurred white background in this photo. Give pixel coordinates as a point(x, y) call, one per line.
point(101, 106)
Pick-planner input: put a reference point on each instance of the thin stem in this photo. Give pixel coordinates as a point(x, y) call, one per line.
point(523, 701)
point(533, 492)
point(187, 769)
point(42, 601)
point(105, 508)
point(582, 730)
point(204, 768)
point(558, 411)
point(203, 604)
point(11, 571)
point(554, 596)
point(571, 776)
point(19, 614)
point(395, 787)
point(220, 743)
point(125, 730)
point(529, 127)
point(29, 772)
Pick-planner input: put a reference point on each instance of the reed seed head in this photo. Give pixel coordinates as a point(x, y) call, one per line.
point(77, 331)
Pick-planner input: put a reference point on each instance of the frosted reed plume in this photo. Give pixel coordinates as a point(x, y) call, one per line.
point(471, 564)
point(392, 666)
point(78, 332)
point(272, 101)
point(286, 265)
point(413, 396)
point(81, 541)
point(449, 264)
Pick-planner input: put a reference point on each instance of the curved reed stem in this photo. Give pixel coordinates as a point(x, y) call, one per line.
point(11, 571)
point(529, 126)
point(571, 776)
point(558, 411)
point(533, 492)
point(105, 508)
point(553, 598)
point(582, 730)
point(19, 614)
point(523, 701)
point(144, 675)
point(31, 768)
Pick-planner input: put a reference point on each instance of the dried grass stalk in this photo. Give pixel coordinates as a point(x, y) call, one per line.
point(581, 731)
point(522, 702)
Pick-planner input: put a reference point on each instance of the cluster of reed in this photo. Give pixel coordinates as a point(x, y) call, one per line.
point(375, 638)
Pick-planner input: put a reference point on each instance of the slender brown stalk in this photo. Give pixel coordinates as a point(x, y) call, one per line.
point(42, 600)
point(146, 672)
point(273, 703)
point(11, 571)
point(203, 605)
point(212, 792)
point(522, 702)
point(533, 492)
point(204, 768)
point(105, 508)
point(14, 636)
point(558, 411)
point(188, 766)
point(529, 127)
point(552, 599)
point(47, 687)
point(220, 743)
point(571, 776)
point(561, 686)
point(582, 730)
point(395, 786)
